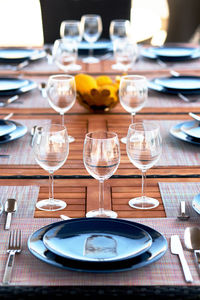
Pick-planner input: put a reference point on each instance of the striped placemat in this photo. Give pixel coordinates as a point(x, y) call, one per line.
point(20, 151)
point(29, 270)
point(173, 193)
point(26, 197)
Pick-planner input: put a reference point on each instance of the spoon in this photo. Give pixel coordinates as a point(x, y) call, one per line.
point(192, 242)
point(10, 208)
point(183, 216)
point(194, 116)
point(33, 129)
point(42, 88)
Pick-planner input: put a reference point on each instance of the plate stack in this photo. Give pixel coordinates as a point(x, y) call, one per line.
point(11, 130)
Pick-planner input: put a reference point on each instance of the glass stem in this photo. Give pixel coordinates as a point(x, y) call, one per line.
point(62, 119)
point(143, 183)
point(51, 190)
point(132, 118)
point(91, 51)
point(101, 196)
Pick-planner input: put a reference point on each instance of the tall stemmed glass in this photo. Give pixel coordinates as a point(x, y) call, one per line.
point(144, 147)
point(133, 93)
point(119, 29)
point(71, 30)
point(101, 156)
point(51, 148)
point(92, 29)
point(61, 92)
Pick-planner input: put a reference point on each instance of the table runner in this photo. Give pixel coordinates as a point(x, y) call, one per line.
point(20, 150)
point(29, 270)
point(173, 192)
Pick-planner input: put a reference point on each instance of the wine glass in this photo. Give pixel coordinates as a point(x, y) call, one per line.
point(51, 148)
point(71, 30)
point(65, 53)
point(144, 146)
point(61, 93)
point(101, 156)
point(119, 29)
point(133, 92)
point(92, 29)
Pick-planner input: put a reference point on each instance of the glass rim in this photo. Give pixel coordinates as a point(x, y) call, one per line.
point(134, 77)
point(115, 135)
point(70, 21)
point(150, 123)
point(57, 76)
point(46, 125)
point(91, 16)
point(120, 21)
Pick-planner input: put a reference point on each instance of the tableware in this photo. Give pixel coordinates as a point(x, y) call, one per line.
point(155, 252)
point(102, 241)
point(92, 27)
point(176, 248)
point(119, 29)
point(102, 47)
point(8, 101)
point(196, 203)
point(169, 53)
point(42, 88)
point(183, 216)
point(101, 157)
point(8, 116)
point(6, 127)
point(19, 132)
point(180, 83)
point(33, 130)
point(133, 93)
point(192, 242)
point(10, 208)
point(61, 93)
point(176, 132)
point(51, 148)
point(194, 116)
point(144, 147)
point(19, 55)
point(14, 246)
point(14, 86)
point(71, 30)
point(192, 129)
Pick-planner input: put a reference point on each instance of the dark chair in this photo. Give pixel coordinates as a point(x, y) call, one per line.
point(55, 11)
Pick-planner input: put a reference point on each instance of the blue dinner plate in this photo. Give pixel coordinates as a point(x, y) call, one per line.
point(155, 252)
point(196, 203)
point(99, 47)
point(20, 131)
point(155, 86)
point(192, 129)
point(17, 55)
point(102, 240)
point(168, 53)
point(14, 86)
point(180, 83)
point(179, 134)
point(6, 127)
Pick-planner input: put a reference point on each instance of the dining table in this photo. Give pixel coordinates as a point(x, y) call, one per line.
point(175, 177)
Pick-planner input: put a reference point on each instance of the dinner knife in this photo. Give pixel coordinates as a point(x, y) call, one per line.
point(176, 248)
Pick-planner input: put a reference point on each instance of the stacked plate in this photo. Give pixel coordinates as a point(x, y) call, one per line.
point(97, 245)
point(171, 53)
point(11, 130)
point(14, 86)
point(99, 48)
point(18, 55)
point(188, 131)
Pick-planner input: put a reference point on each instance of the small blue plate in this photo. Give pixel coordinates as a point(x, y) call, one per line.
point(168, 53)
point(18, 55)
point(196, 203)
point(179, 134)
point(155, 252)
point(6, 127)
point(20, 131)
point(99, 47)
point(89, 240)
point(192, 129)
point(14, 86)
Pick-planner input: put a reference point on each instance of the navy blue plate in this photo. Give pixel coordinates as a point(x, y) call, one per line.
point(167, 53)
point(20, 131)
point(196, 203)
point(180, 83)
point(179, 134)
point(191, 128)
point(155, 86)
point(89, 240)
point(15, 86)
point(6, 127)
point(100, 47)
point(18, 55)
point(155, 252)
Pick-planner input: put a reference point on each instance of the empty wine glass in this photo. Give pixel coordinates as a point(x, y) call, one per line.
point(61, 93)
point(133, 92)
point(119, 29)
point(71, 30)
point(51, 148)
point(92, 29)
point(144, 146)
point(65, 53)
point(101, 156)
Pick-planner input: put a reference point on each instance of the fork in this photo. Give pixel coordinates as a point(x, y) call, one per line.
point(14, 246)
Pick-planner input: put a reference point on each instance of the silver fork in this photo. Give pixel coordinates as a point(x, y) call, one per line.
point(14, 246)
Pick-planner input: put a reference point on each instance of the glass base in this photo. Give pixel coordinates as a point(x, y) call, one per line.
point(74, 67)
point(117, 67)
point(48, 205)
point(101, 214)
point(71, 139)
point(91, 60)
point(143, 203)
point(123, 140)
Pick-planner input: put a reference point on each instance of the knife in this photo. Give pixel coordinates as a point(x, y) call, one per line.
point(176, 248)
